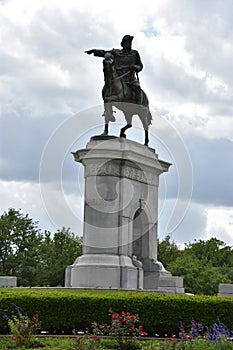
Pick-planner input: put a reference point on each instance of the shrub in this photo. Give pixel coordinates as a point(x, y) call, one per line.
point(123, 327)
point(62, 310)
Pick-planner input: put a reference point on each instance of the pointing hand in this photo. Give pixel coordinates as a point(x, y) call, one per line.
point(89, 52)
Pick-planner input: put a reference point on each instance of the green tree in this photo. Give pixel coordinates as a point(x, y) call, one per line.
point(203, 265)
point(168, 251)
point(58, 252)
point(20, 241)
point(198, 278)
point(35, 258)
point(213, 250)
point(43, 268)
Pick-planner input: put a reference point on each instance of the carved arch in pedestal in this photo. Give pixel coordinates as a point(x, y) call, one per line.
point(141, 241)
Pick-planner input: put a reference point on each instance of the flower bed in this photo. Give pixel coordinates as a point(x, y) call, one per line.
point(125, 331)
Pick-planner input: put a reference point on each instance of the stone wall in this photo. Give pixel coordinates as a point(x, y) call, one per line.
point(225, 290)
point(8, 281)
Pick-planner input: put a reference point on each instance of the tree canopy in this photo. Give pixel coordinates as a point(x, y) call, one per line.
point(36, 258)
point(202, 264)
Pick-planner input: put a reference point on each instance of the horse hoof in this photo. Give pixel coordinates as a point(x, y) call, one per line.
point(123, 135)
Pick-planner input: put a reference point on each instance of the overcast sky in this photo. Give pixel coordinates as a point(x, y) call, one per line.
point(50, 94)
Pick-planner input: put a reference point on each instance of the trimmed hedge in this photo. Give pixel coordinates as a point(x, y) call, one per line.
point(62, 310)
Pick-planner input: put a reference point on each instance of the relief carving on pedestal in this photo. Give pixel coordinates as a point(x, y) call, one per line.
point(118, 170)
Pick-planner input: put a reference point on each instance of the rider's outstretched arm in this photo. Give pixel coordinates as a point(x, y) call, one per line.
point(99, 53)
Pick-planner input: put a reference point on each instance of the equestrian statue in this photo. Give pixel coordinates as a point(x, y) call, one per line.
point(122, 88)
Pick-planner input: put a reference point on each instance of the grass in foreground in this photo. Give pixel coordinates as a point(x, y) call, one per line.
point(6, 343)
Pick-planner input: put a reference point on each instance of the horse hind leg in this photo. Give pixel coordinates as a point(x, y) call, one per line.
point(128, 117)
point(146, 137)
point(122, 134)
point(145, 118)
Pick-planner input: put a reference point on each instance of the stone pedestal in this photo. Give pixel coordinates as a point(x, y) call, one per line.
point(120, 218)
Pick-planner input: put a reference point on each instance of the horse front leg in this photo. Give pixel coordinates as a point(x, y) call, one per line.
point(122, 134)
point(105, 132)
point(108, 112)
point(108, 116)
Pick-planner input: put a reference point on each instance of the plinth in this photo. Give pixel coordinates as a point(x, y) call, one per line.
point(120, 218)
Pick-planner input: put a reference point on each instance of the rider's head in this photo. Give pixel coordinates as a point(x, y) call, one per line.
point(126, 41)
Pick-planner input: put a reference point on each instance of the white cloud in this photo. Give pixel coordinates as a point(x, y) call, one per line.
point(193, 226)
point(26, 196)
point(201, 222)
point(192, 119)
point(220, 224)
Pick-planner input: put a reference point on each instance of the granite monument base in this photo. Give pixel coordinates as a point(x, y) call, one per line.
point(120, 219)
point(104, 271)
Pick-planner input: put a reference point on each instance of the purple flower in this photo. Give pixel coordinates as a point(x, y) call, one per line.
point(18, 309)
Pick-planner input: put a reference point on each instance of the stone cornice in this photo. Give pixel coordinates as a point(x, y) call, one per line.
point(119, 149)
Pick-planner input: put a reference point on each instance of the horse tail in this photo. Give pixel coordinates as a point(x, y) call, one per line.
point(145, 101)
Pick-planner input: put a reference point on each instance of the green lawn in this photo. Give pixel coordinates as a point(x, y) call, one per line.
point(46, 343)
point(6, 343)
point(58, 343)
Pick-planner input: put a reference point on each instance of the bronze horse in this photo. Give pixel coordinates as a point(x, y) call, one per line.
point(118, 93)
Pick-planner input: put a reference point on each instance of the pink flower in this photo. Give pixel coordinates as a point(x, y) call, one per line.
point(140, 327)
point(133, 328)
point(94, 336)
